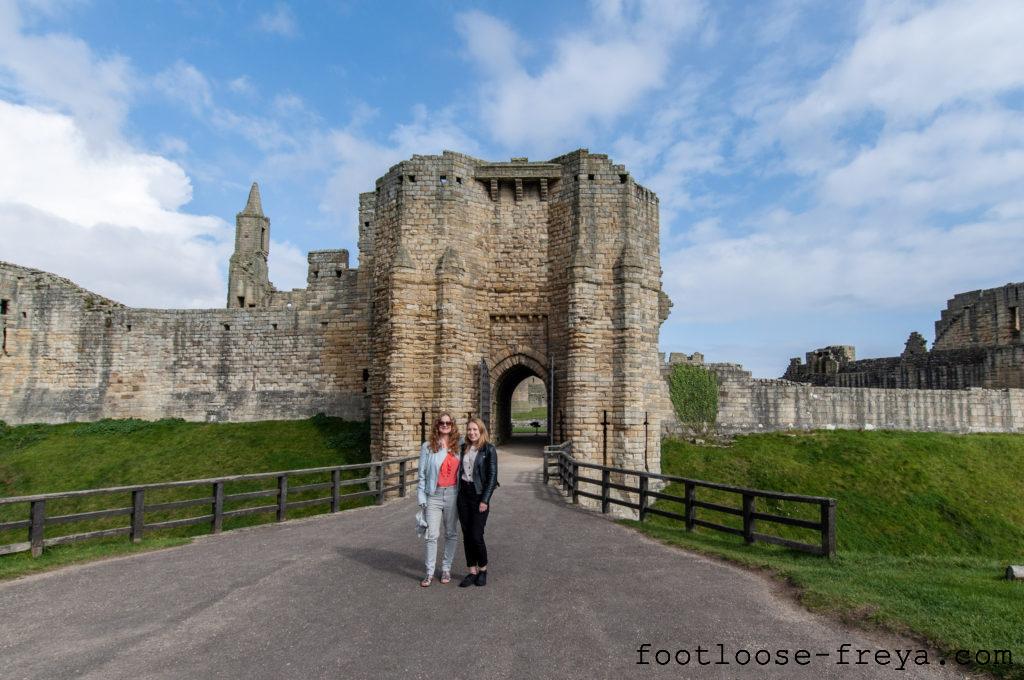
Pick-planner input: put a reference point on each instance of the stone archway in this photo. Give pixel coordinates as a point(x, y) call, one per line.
point(505, 376)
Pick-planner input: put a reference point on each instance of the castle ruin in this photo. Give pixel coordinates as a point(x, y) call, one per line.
point(471, 277)
point(978, 343)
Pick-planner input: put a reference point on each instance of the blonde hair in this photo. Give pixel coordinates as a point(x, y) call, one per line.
point(435, 433)
point(484, 438)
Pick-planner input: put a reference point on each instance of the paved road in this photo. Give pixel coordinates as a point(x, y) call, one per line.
point(571, 595)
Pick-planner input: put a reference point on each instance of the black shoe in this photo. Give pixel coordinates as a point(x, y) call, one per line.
point(468, 580)
point(481, 578)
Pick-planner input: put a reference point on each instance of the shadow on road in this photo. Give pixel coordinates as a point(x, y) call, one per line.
point(402, 564)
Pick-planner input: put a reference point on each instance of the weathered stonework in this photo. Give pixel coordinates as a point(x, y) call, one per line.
point(472, 276)
point(748, 405)
point(978, 343)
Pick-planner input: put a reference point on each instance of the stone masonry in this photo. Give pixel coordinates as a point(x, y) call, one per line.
point(978, 343)
point(748, 405)
point(472, 276)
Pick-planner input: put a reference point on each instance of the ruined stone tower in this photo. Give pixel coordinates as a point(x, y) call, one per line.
point(248, 278)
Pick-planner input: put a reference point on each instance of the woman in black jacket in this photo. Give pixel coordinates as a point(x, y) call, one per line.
point(478, 475)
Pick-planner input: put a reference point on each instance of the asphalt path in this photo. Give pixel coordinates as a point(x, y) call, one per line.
point(570, 595)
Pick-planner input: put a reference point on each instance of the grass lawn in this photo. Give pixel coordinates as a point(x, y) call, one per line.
point(926, 524)
point(520, 429)
point(537, 413)
point(50, 458)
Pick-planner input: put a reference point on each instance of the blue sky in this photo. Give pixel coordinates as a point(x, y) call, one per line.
point(828, 173)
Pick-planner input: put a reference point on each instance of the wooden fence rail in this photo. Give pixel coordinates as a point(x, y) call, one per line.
point(377, 478)
point(559, 463)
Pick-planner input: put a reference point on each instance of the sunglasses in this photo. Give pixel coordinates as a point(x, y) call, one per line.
point(444, 423)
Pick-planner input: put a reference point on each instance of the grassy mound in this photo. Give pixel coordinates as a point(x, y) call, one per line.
point(50, 458)
point(926, 523)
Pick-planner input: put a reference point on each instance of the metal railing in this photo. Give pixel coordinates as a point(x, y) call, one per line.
point(377, 479)
point(559, 462)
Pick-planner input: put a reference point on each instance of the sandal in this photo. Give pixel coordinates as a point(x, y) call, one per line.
point(427, 581)
point(446, 577)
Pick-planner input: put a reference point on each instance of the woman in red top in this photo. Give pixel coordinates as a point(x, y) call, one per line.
point(437, 489)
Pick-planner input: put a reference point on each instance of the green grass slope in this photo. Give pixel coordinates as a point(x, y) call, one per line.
point(50, 458)
point(926, 524)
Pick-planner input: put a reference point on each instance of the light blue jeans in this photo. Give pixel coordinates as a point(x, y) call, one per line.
point(441, 508)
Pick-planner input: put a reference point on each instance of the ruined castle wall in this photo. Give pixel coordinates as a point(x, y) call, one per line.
point(72, 355)
point(748, 405)
point(981, 318)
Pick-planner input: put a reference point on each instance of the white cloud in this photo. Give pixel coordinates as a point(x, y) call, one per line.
point(81, 201)
point(109, 219)
point(185, 83)
point(962, 160)
point(281, 21)
point(60, 71)
point(908, 64)
point(356, 160)
point(884, 225)
point(288, 265)
point(844, 267)
point(593, 77)
point(242, 85)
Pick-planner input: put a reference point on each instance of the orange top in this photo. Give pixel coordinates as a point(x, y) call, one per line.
point(449, 471)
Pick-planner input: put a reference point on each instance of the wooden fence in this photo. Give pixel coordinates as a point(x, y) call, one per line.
point(567, 470)
point(377, 477)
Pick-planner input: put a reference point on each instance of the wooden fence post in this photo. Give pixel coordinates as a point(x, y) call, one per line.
point(401, 479)
point(605, 489)
point(563, 471)
point(138, 505)
point(37, 513)
point(282, 498)
point(748, 518)
point(218, 507)
point(575, 482)
point(691, 510)
point(828, 528)
point(335, 490)
point(545, 473)
point(380, 484)
point(643, 496)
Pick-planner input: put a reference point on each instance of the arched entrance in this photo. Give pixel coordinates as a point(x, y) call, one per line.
point(507, 375)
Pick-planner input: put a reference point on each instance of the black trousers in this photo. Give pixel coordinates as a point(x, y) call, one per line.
point(473, 522)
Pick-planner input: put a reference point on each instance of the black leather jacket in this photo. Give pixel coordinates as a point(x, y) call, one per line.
point(485, 471)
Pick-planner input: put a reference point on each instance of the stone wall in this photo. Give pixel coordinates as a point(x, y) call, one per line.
point(981, 318)
point(72, 355)
point(472, 276)
point(749, 405)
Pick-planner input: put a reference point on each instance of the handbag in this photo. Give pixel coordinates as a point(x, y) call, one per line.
point(421, 523)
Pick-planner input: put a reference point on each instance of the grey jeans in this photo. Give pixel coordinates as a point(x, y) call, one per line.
point(441, 506)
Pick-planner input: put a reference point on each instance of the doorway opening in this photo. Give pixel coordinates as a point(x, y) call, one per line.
point(521, 398)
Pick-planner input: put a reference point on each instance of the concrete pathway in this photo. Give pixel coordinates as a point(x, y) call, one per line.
point(571, 595)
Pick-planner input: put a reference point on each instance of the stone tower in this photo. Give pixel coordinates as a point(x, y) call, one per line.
point(487, 273)
point(248, 278)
